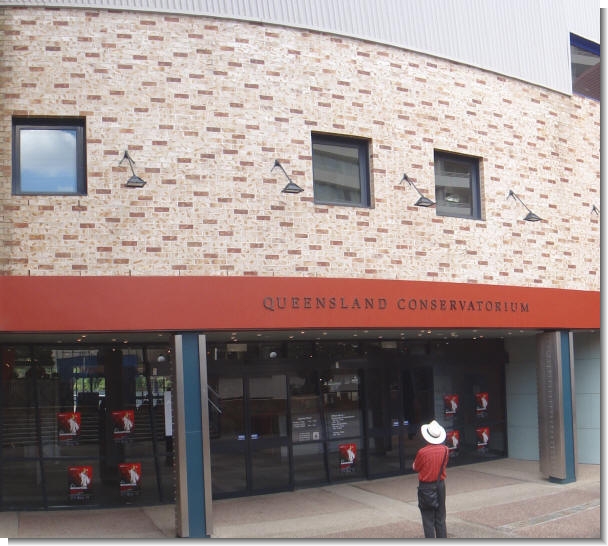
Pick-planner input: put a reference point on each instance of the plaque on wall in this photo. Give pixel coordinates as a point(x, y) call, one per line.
point(305, 428)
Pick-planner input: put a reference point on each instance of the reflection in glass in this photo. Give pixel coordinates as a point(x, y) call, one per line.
point(228, 471)
point(586, 76)
point(336, 174)
point(268, 406)
point(307, 429)
point(309, 463)
point(48, 160)
point(226, 420)
point(270, 468)
point(453, 187)
point(40, 386)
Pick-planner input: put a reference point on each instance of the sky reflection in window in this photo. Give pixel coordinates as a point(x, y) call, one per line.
point(48, 161)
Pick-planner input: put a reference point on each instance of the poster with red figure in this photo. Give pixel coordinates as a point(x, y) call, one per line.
point(481, 402)
point(80, 480)
point(123, 422)
point(483, 437)
point(452, 439)
point(451, 402)
point(348, 457)
point(130, 479)
point(68, 426)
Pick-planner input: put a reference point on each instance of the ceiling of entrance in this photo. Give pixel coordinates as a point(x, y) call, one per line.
point(250, 336)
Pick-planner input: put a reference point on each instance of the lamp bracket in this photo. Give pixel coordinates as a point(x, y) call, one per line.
point(291, 186)
point(134, 181)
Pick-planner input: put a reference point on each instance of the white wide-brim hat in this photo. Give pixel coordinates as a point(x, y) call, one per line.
point(433, 433)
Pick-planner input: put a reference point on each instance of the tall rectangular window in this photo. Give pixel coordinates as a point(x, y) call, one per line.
point(340, 170)
point(585, 65)
point(49, 156)
point(457, 186)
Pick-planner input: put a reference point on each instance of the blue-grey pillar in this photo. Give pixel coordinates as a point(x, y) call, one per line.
point(193, 502)
point(556, 415)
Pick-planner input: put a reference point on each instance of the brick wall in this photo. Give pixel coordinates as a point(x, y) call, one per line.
point(205, 106)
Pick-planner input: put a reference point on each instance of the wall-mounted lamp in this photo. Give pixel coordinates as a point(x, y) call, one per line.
point(134, 181)
point(423, 201)
point(530, 217)
point(595, 209)
point(291, 186)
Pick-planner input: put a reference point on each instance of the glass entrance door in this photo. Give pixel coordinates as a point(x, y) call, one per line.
point(267, 433)
point(248, 427)
point(341, 390)
point(398, 402)
point(307, 429)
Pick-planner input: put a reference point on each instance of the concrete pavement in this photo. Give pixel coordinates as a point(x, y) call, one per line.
point(506, 498)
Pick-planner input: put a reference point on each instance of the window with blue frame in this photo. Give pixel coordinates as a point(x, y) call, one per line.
point(457, 185)
point(341, 170)
point(49, 156)
point(585, 64)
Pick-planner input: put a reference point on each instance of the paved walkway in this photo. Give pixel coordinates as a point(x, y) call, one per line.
point(507, 498)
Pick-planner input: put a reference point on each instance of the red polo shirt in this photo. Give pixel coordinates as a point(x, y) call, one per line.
point(428, 460)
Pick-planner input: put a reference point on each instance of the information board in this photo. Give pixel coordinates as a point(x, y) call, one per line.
point(305, 428)
point(343, 424)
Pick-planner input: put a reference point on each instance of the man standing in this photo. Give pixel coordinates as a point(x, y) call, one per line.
point(430, 463)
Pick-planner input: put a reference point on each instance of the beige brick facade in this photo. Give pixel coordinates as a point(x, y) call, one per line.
point(205, 106)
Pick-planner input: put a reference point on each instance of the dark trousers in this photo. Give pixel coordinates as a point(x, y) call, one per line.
point(433, 521)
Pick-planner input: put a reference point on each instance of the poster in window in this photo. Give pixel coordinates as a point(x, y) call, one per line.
point(452, 440)
point(483, 437)
point(68, 427)
point(450, 402)
point(80, 482)
point(123, 422)
point(348, 457)
point(130, 479)
point(481, 403)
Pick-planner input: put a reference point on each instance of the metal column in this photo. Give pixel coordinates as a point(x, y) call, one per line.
point(556, 406)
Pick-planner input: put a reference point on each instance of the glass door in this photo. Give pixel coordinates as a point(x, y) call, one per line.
point(345, 448)
point(398, 401)
point(267, 433)
point(307, 429)
point(248, 428)
point(228, 435)
point(385, 421)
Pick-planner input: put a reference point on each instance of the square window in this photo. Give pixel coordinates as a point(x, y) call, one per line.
point(49, 157)
point(585, 65)
point(457, 186)
point(340, 170)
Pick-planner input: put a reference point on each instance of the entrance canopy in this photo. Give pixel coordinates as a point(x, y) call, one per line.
point(87, 304)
